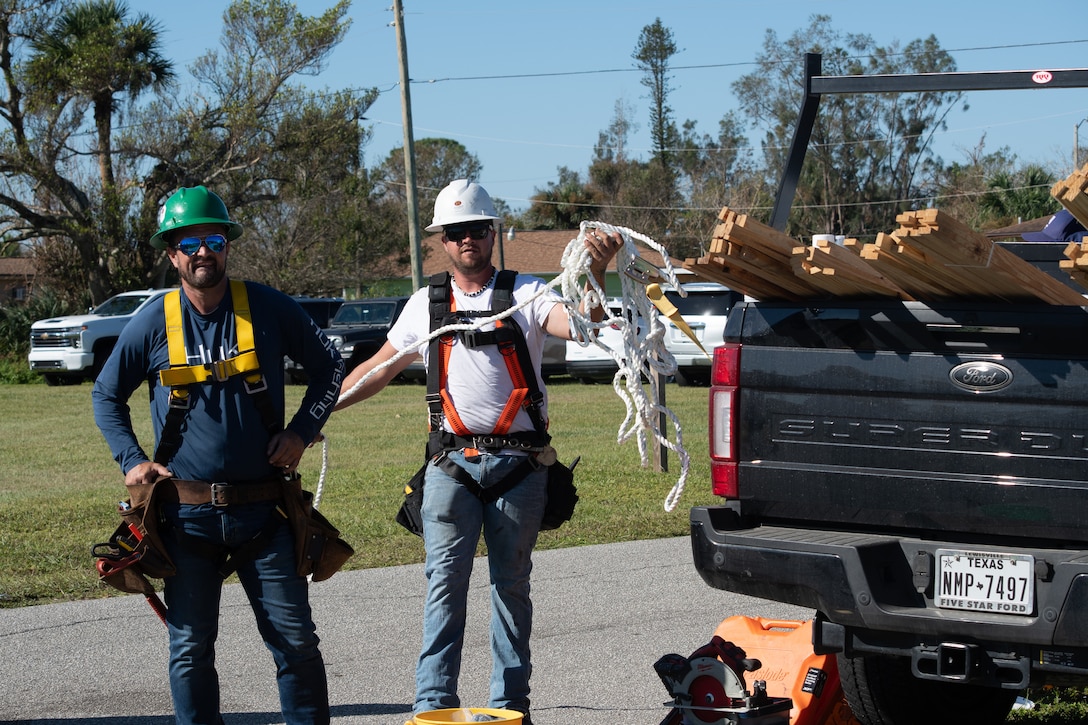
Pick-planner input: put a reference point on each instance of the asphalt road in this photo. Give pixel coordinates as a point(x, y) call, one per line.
point(604, 615)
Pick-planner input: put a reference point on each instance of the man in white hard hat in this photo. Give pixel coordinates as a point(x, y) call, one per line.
point(477, 388)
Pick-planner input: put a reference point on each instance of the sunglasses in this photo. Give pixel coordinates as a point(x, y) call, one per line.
point(191, 245)
point(476, 231)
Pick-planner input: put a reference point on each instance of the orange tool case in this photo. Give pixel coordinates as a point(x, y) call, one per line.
point(790, 667)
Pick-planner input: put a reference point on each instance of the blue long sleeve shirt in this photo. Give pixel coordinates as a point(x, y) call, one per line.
point(224, 437)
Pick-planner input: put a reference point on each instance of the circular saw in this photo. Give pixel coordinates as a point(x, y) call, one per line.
point(708, 688)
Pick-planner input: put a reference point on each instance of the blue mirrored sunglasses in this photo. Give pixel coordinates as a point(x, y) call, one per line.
point(190, 245)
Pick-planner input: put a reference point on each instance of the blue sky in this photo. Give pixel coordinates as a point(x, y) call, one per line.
point(527, 86)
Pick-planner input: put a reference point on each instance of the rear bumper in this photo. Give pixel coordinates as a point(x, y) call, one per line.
point(875, 592)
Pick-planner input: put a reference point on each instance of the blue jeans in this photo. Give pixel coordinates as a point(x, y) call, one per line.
point(279, 599)
point(452, 519)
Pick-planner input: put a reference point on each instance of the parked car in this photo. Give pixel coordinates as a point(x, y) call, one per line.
point(357, 331)
point(321, 309)
point(589, 363)
point(360, 327)
point(69, 350)
point(704, 309)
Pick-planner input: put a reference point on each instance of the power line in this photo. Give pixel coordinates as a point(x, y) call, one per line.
point(706, 66)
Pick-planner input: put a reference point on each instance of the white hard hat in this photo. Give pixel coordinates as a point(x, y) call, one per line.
point(460, 202)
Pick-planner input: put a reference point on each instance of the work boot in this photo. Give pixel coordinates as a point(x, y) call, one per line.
point(525, 717)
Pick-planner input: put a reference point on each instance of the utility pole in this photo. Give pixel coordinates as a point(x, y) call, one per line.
point(1076, 144)
point(414, 237)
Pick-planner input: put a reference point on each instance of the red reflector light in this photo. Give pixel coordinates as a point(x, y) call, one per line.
point(723, 478)
point(726, 365)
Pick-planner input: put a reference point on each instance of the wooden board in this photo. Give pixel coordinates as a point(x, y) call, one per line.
point(930, 257)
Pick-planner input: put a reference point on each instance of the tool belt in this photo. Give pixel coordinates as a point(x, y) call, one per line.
point(135, 551)
point(562, 494)
point(319, 550)
point(530, 442)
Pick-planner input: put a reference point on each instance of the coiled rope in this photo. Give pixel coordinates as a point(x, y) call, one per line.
point(642, 355)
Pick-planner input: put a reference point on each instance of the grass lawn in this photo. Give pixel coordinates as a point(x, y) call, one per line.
point(60, 487)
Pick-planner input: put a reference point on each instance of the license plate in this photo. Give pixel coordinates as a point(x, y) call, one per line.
point(680, 336)
point(985, 581)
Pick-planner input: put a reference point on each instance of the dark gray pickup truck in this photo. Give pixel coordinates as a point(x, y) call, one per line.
point(916, 473)
point(918, 476)
point(357, 330)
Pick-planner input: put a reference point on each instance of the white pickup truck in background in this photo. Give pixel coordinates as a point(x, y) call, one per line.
point(69, 350)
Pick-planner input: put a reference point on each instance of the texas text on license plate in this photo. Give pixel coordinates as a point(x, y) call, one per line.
point(985, 581)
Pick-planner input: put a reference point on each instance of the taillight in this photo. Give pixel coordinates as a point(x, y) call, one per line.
point(723, 420)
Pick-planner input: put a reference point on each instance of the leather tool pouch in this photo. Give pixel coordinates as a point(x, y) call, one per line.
point(319, 550)
point(135, 550)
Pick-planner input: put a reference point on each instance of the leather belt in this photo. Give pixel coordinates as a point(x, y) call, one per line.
point(223, 493)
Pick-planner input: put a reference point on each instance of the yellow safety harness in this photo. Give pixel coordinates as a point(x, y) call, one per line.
point(180, 375)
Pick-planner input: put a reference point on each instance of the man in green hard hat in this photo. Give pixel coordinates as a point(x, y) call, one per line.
point(212, 356)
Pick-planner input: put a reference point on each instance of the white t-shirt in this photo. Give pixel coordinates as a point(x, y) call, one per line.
point(477, 379)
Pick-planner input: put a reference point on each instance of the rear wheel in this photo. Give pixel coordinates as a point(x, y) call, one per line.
point(882, 691)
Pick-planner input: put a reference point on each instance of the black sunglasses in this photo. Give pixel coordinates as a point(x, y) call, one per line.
point(190, 245)
point(459, 232)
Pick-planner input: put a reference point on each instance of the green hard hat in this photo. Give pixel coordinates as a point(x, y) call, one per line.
point(190, 206)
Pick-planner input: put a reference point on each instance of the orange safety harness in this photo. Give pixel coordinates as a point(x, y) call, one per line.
point(526, 394)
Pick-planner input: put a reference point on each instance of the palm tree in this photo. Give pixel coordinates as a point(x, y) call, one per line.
point(1023, 194)
point(93, 52)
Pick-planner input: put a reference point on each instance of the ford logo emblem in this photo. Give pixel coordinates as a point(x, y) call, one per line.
point(980, 377)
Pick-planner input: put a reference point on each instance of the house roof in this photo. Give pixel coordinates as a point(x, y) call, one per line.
point(529, 252)
point(17, 267)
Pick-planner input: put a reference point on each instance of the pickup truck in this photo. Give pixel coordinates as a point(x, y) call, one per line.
point(916, 473)
point(68, 350)
point(357, 330)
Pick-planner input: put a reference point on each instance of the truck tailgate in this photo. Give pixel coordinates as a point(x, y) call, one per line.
point(916, 418)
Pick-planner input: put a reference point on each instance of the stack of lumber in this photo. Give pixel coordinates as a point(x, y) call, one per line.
point(753, 258)
point(930, 257)
point(841, 271)
point(1077, 264)
point(1072, 192)
point(968, 264)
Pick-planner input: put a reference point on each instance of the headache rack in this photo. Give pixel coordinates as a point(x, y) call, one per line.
point(817, 85)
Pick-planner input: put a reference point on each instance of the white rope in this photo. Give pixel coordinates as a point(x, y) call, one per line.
point(641, 354)
point(324, 469)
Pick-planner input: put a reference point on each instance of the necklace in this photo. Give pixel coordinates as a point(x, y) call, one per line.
point(480, 291)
